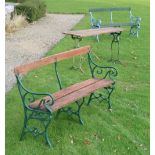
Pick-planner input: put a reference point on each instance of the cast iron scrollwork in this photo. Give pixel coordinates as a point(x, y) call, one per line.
point(101, 72)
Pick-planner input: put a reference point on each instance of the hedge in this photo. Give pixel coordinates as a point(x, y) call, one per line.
point(32, 9)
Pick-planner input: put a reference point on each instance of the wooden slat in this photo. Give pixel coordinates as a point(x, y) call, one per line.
point(94, 32)
point(64, 101)
point(73, 93)
point(51, 59)
point(74, 88)
point(67, 91)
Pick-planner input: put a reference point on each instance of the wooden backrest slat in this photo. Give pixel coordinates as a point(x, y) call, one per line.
point(51, 59)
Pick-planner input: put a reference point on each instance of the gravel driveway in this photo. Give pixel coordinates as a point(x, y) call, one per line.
point(33, 41)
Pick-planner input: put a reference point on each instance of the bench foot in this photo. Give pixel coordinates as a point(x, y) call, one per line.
point(79, 104)
point(134, 30)
point(90, 98)
point(23, 133)
point(81, 121)
point(100, 97)
point(70, 111)
point(109, 91)
point(46, 124)
point(110, 110)
point(44, 118)
point(47, 141)
point(24, 127)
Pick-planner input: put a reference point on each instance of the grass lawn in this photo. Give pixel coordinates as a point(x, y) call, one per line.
point(125, 131)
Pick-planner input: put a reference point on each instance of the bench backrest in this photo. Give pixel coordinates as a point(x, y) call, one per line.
point(28, 95)
point(51, 59)
point(108, 9)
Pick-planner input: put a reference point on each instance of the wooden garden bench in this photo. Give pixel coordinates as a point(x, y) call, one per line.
point(42, 105)
point(132, 21)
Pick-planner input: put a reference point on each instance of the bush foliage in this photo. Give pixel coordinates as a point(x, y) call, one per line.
point(32, 9)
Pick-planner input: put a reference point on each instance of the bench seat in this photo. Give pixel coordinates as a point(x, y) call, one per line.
point(73, 93)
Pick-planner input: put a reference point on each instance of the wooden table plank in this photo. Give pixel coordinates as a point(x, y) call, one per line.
point(94, 32)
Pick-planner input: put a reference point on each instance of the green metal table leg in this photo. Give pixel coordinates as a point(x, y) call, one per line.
point(77, 40)
point(77, 45)
point(115, 40)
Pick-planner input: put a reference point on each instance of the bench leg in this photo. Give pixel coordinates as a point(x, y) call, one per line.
point(97, 37)
point(134, 30)
point(109, 90)
point(79, 104)
point(90, 98)
point(46, 124)
point(58, 112)
point(44, 118)
point(71, 111)
point(100, 97)
point(24, 126)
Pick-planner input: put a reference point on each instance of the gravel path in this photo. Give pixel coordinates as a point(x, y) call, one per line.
point(33, 41)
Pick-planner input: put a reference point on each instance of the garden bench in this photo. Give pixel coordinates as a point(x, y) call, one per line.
point(132, 21)
point(42, 105)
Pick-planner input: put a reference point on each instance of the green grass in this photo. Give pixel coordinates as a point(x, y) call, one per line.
point(126, 129)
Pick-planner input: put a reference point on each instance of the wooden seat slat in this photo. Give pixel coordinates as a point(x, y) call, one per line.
point(65, 91)
point(75, 92)
point(74, 88)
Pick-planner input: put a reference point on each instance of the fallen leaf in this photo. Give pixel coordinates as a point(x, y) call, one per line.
point(145, 148)
point(96, 136)
point(135, 58)
point(119, 138)
point(126, 89)
point(72, 141)
point(87, 142)
point(141, 145)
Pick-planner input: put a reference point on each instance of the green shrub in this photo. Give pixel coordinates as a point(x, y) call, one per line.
point(32, 9)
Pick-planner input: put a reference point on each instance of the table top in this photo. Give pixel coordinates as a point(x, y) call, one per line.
point(94, 32)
